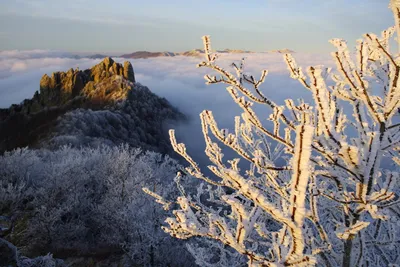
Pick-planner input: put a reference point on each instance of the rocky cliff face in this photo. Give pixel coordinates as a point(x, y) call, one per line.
point(92, 83)
point(104, 83)
point(106, 91)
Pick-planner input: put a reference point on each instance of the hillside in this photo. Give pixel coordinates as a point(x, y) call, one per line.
point(95, 138)
point(103, 104)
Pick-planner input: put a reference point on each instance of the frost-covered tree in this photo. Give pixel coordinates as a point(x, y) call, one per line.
point(320, 183)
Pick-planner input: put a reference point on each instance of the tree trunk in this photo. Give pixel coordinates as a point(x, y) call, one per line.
point(348, 246)
point(151, 255)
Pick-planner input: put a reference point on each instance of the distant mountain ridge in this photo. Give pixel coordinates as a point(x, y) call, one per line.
point(190, 53)
point(281, 51)
point(146, 54)
point(194, 53)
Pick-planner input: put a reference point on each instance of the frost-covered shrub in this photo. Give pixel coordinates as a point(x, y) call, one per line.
point(10, 256)
point(139, 121)
point(322, 186)
point(210, 253)
point(87, 201)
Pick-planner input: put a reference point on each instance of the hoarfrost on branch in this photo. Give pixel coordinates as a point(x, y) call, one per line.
point(335, 199)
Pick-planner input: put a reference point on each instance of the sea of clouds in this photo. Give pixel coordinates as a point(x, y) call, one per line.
point(175, 78)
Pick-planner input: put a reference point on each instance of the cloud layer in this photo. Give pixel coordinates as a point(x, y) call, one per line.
point(178, 80)
point(175, 78)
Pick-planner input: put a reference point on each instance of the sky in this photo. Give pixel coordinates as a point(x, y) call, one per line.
point(122, 26)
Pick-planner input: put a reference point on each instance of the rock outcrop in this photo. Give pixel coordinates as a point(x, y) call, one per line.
point(104, 83)
point(108, 68)
point(128, 72)
point(61, 87)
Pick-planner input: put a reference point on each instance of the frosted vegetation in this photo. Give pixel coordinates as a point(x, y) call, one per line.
point(313, 184)
point(320, 182)
point(88, 202)
point(139, 121)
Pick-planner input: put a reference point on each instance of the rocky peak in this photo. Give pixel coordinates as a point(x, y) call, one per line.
point(97, 82)
point(61, 87)
point(108, 67)
point(107, 90)
point(128, 71)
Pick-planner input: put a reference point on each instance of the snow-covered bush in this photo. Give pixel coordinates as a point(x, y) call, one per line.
point(11, 257)
point(139, 121)
point(322, 183)
point(89, 201)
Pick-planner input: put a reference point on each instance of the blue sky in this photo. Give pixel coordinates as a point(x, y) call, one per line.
point(121, 26)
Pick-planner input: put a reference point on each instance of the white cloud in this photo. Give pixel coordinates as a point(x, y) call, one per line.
point(175, 78)
point(32, 54)
point(178, 80)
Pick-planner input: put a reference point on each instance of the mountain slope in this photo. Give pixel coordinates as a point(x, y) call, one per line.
point(102, 104)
